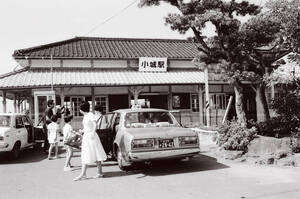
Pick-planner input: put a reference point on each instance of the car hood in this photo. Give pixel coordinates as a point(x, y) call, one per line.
point(162, 132)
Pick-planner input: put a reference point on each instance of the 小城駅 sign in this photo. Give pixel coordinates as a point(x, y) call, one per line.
point(153, 64)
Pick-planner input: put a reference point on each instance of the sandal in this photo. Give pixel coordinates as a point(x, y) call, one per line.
point(99, 175)
point(80, 178)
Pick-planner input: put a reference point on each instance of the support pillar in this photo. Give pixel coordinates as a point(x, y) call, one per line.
point(93, 98)
point(135, 91)
point(207, 106)
point(129, 98)
point(19, 104)
point(170, 98)
point(4, 101)
point(31, 109)
point(15, 103)
point(200, 98)
point(62, 102)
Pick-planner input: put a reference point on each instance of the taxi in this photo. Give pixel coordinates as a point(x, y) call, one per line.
point(145, 134)
point(17, 133)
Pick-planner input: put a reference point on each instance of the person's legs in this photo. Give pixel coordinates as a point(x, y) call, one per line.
point(99, 173)
point(56, 150)
point(82, 174)
point(46, 142)
point(69, 154)
point(50, 150)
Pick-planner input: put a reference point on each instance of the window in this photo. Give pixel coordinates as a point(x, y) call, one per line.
point(195, 102)
point(26, 121)
point(102, 101)
point(75, 105)
point(181, 101)
point(19, 122)
point(105, 121)
point(138, 119)
point(4, 121)
point(217, 101)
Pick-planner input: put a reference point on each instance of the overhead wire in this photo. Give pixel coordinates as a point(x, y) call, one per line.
point(111, 17)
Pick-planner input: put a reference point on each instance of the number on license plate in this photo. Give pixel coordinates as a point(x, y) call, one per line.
point(166, 143)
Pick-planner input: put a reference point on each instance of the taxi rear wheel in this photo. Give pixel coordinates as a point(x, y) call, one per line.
point(121, 161)
point(15, 152)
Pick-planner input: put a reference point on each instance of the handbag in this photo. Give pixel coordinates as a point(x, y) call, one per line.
point(74, 140)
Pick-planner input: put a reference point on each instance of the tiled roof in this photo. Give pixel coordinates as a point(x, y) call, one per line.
point(112, 48)
point(96, 77)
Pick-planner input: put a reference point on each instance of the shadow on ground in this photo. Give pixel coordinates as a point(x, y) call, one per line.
point(196, 164)
point(171, 167)
point(28, 156)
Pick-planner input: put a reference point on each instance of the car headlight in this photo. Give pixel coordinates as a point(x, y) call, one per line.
point(188, 140)
point(142, 143)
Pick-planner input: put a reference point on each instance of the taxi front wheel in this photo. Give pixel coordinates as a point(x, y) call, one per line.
point(15, 152)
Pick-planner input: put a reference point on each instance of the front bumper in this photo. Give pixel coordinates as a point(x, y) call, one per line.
point(138, 156)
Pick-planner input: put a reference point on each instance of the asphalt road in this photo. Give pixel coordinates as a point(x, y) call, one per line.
point(33, 176)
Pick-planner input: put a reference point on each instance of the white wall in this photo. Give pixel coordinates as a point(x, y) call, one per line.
point(110, 63)
point(44, 63)
point(77, 63)
point(184, 64)
point(181, 64)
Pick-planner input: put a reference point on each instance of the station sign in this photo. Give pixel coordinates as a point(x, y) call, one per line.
point(153, 64)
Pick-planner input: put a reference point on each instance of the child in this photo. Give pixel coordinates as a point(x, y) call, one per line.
point(67, 131)
point(53, 136)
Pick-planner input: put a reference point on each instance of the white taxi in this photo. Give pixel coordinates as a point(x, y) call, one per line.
point(17, 133)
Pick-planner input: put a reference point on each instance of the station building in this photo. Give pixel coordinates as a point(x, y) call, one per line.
point(116, 73)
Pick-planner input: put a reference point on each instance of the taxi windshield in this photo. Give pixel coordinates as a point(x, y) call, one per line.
point(149, 119)
point(4, 121)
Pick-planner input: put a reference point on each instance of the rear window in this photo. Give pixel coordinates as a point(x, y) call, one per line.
point(5, 121)
point(146, 119)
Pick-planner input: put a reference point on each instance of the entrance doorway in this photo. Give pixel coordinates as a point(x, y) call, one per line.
point(40, 103)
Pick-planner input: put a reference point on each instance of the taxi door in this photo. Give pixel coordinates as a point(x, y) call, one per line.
point(29, 127)
point(105, 133)
point(21, 131)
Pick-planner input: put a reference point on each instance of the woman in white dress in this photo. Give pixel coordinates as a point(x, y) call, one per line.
point(91, 149)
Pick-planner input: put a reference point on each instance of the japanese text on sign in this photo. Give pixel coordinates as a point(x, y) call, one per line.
point(153, 64)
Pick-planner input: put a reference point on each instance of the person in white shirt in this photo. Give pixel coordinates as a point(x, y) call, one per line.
point(53, 136)
point(91, 148)
point(68, 132)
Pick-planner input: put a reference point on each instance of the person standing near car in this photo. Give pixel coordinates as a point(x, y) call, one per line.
point(53, 129)
point(47, 120)
point(68, 132)
point(91, 148)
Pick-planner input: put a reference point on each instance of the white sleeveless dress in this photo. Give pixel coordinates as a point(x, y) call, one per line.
point(91, 148)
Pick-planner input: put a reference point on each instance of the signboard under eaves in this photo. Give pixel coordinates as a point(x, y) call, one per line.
point(153, 64)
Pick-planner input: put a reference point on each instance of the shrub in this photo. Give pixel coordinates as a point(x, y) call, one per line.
point(234, 136)
point(274, 127)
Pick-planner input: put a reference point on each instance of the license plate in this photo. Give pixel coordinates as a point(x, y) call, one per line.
point(168, 143)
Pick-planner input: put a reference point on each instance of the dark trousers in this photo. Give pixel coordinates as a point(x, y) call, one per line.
point(46, 143)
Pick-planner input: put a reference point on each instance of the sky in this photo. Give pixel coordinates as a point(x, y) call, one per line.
point(30, 23)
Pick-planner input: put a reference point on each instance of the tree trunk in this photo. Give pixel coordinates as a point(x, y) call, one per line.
point(239, 106)
point(262, 108)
